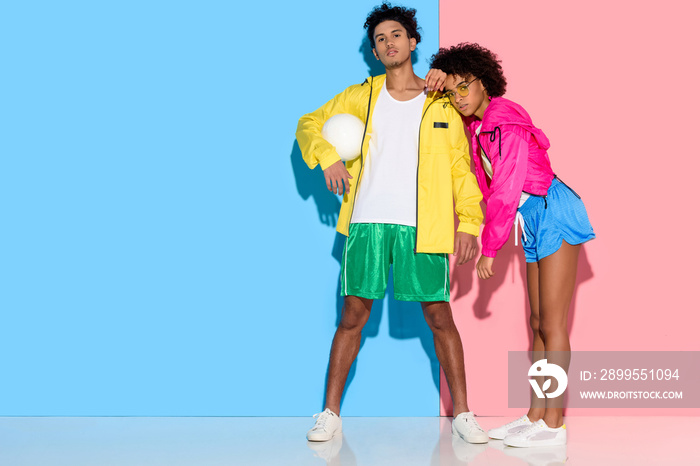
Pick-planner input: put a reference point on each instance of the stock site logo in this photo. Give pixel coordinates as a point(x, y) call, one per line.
point(542, 368)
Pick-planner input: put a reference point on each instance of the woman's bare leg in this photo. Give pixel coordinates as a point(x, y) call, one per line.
point(557, 279)
point(537, 405)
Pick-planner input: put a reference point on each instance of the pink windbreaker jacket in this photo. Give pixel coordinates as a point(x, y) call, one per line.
point(517, 151)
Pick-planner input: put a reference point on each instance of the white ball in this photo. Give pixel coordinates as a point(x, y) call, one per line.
point(345, 132)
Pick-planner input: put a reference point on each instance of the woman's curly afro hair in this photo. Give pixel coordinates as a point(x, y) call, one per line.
point(385, 12)
point(469, 59)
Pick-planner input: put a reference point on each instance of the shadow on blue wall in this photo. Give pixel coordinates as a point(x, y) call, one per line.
point(310, 183)
point(405, 319)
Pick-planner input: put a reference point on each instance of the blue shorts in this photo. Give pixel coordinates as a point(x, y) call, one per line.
point(548, 220)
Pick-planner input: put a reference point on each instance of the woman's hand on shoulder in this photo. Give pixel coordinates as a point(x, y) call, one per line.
point(435, 80)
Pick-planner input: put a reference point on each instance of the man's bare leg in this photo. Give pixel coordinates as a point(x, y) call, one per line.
point(449, 351)
point(346, 345)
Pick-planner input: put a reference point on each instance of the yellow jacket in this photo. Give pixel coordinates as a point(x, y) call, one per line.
point(443, 164)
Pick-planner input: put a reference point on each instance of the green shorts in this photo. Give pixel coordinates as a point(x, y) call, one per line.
point(369, 251)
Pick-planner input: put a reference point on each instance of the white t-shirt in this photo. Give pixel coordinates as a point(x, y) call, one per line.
point(387, 191)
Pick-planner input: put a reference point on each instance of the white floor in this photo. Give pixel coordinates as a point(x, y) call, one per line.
point(365, 442)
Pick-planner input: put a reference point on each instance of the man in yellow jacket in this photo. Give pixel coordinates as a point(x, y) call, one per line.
point(398, 207)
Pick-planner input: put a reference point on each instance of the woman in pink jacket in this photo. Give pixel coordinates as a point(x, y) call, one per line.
point(516, 178)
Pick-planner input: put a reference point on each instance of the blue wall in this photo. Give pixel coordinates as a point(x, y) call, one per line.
point(163, 248)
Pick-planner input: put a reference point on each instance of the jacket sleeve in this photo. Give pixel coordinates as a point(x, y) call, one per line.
point(509, 171)
point(464, 187)
point(314, 149)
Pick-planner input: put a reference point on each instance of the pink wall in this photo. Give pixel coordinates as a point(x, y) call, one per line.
point(616, 87)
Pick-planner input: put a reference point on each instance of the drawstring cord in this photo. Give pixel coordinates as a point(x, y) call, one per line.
point(519, 220)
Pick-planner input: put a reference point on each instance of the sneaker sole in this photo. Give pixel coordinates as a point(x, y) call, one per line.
point(477, 440)
point(526, 444)
point(324, 439)
point(502, 436)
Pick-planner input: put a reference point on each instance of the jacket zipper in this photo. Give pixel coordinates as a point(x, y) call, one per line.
point(483, 151)
point(362, 163)
point(492, 138)
point(415, 249)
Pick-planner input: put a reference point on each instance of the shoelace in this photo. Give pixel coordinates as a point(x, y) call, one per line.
point(471, 422)
point(321, 419)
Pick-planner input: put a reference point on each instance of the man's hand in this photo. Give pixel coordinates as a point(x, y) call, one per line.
point(435, 80)
point(465, 247)
point(336, 176)
point(484, 268)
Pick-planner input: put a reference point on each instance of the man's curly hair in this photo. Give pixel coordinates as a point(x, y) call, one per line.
point(385, 12)
point(470, 59)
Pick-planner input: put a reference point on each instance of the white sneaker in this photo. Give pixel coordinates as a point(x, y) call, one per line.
point(466, 427)
point(512, 427)
point(536, 435)
point(327, 425)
